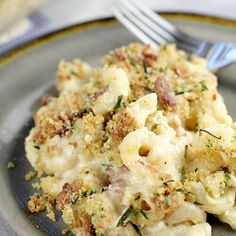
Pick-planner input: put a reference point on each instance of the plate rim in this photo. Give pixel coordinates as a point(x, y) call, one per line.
point(35, 40)
point(51, 35)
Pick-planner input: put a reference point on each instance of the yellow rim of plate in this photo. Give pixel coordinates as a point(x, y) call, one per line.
point(19, 50)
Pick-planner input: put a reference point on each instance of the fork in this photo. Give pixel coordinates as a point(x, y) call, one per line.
point(153, 29)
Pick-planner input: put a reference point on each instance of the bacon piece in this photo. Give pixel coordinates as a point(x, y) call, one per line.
point(48, 127)
point(149, 58)
point(87, 225)
point(165, 94)
point(123, 126)
point(45, 99)
point(64, 197)
point(145, 206)
point(117, 176)
point(84, 223)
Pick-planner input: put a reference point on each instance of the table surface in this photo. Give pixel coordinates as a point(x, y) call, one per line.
point(44, 21)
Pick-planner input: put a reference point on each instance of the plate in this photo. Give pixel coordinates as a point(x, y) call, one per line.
point(26, 73)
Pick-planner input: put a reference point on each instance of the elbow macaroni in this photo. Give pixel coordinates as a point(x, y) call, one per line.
point(143, 107)
point(229, 217)
point(142, 151)
point(118, 84)
point(212, 205)
point(188, 212)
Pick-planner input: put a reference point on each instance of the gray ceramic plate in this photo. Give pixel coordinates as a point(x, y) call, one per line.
point(27, 72)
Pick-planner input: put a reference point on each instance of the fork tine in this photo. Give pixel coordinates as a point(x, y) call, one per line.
point(164, 24)
point(133, 28)
point(149, 23)
point(139, 24)
point(143, 34)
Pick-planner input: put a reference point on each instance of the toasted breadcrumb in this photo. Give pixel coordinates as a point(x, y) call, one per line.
point(30, 175)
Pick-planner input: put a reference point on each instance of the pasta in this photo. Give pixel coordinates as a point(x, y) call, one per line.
point(142, 146)
point(143, 107)
point(118, 84)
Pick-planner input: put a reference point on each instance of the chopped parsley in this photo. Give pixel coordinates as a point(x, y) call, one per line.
point(163, 69)
point(104, 189)
point(198, 203)
point(164, 47)
point(145, 66)
point(106, 164)
point(89, 193)
point(207, 132)
point(11, 165)
point(136, 228)
point(143, 214)
point(180, 190)
point(185, 151)
point(37, 147)
point(182, 177)
point(72, 72)
point(168, 181)
point(74, 199)
point(166, 201)
point(179, 93)
point(204, 87)
point(197, 127)
point(227, 176)
point(118, 103)
point(125, 216)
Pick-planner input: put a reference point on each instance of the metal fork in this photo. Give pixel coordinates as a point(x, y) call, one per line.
point(152, 29)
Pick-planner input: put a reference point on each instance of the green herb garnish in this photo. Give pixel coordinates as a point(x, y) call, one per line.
point(182, 92)
point(163, 69)
point(37, 147)
point(207, 132)
point(89, 193)
point(180, 190)
point(143, 214)
point(119, 99)
point(197, 203)
point(136, 228)
point(72, 72)
point(204, 87)
point(104, 189)
point(197, 126)
point(125, 216)
point(145, 66)
point(166, 201)
point(179, 93)
point(227, 176)
point(168, 181)
point(11, 165)
point(185, 151)
point(74, 199)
